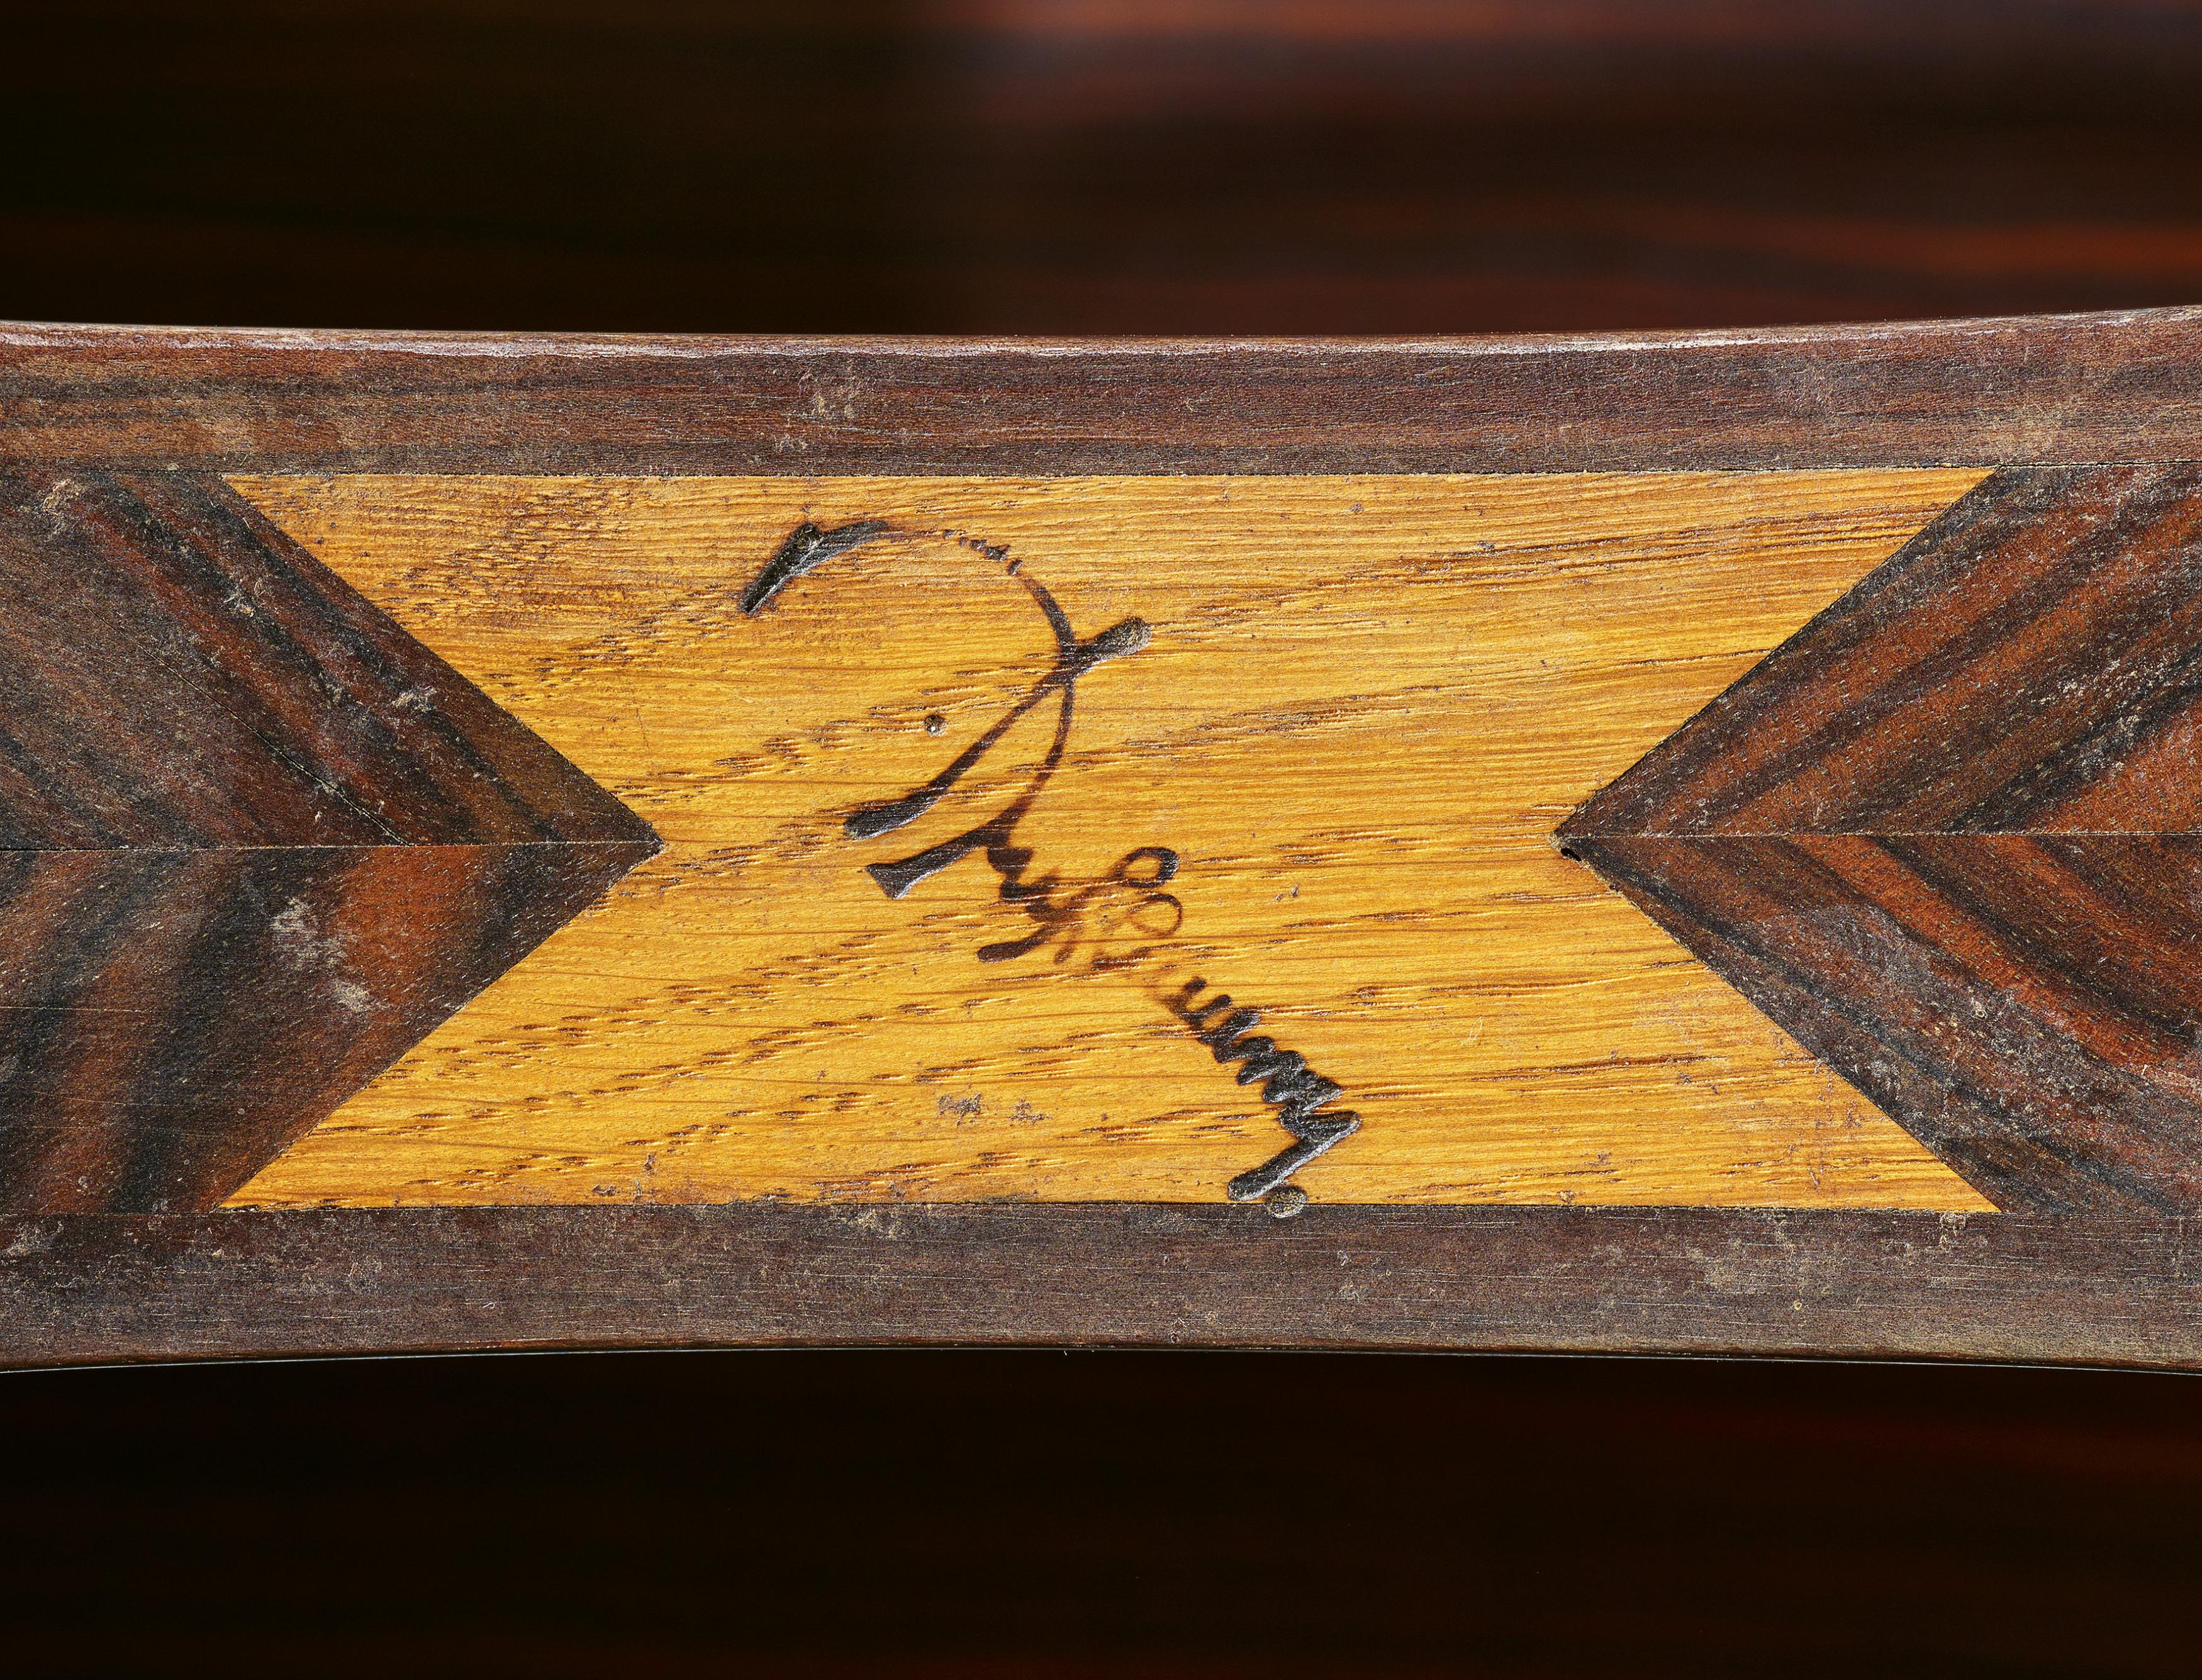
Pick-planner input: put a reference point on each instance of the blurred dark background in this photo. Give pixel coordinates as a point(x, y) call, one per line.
point(1098, 166)
point(1280, 1515)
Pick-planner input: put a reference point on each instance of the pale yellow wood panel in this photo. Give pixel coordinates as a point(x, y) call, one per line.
point(1365, 704)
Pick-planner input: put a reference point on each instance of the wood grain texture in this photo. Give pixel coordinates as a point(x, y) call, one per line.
point(2109, 387)
point(1813, 1283)
point(1947, 834)
point(254, 841)
point(2083, 1285)
point(1364, 705)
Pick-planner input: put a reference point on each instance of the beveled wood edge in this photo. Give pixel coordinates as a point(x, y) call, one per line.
point(93, 1288)
point(2050, 390)
point(109, 335)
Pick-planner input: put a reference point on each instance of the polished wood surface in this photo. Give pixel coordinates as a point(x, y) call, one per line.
point(254, 842)
point(740, 599)
point(1366, 704)
point(1947, 836)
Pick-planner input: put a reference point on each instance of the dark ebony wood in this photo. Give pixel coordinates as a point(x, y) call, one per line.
point(255, 841)
point(178, 673)
point(98, 1287)
point(2012, 392)
point(1946, 836)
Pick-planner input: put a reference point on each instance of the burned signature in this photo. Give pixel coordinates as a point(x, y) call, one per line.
point(1075, 920)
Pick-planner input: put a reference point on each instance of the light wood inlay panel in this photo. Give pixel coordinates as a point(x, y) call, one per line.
point(1366, 704)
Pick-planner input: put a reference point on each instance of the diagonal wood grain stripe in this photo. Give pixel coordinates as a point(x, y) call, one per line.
point(1947, 835)
point(255, 841)
point(1943, 840)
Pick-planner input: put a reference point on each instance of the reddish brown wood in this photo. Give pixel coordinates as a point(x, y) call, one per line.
point(258, 841)
point(1946, 836)
point(2114, 387)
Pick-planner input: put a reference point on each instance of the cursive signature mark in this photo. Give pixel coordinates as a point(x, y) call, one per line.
point(1299, 1093)
point(1067, 918)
